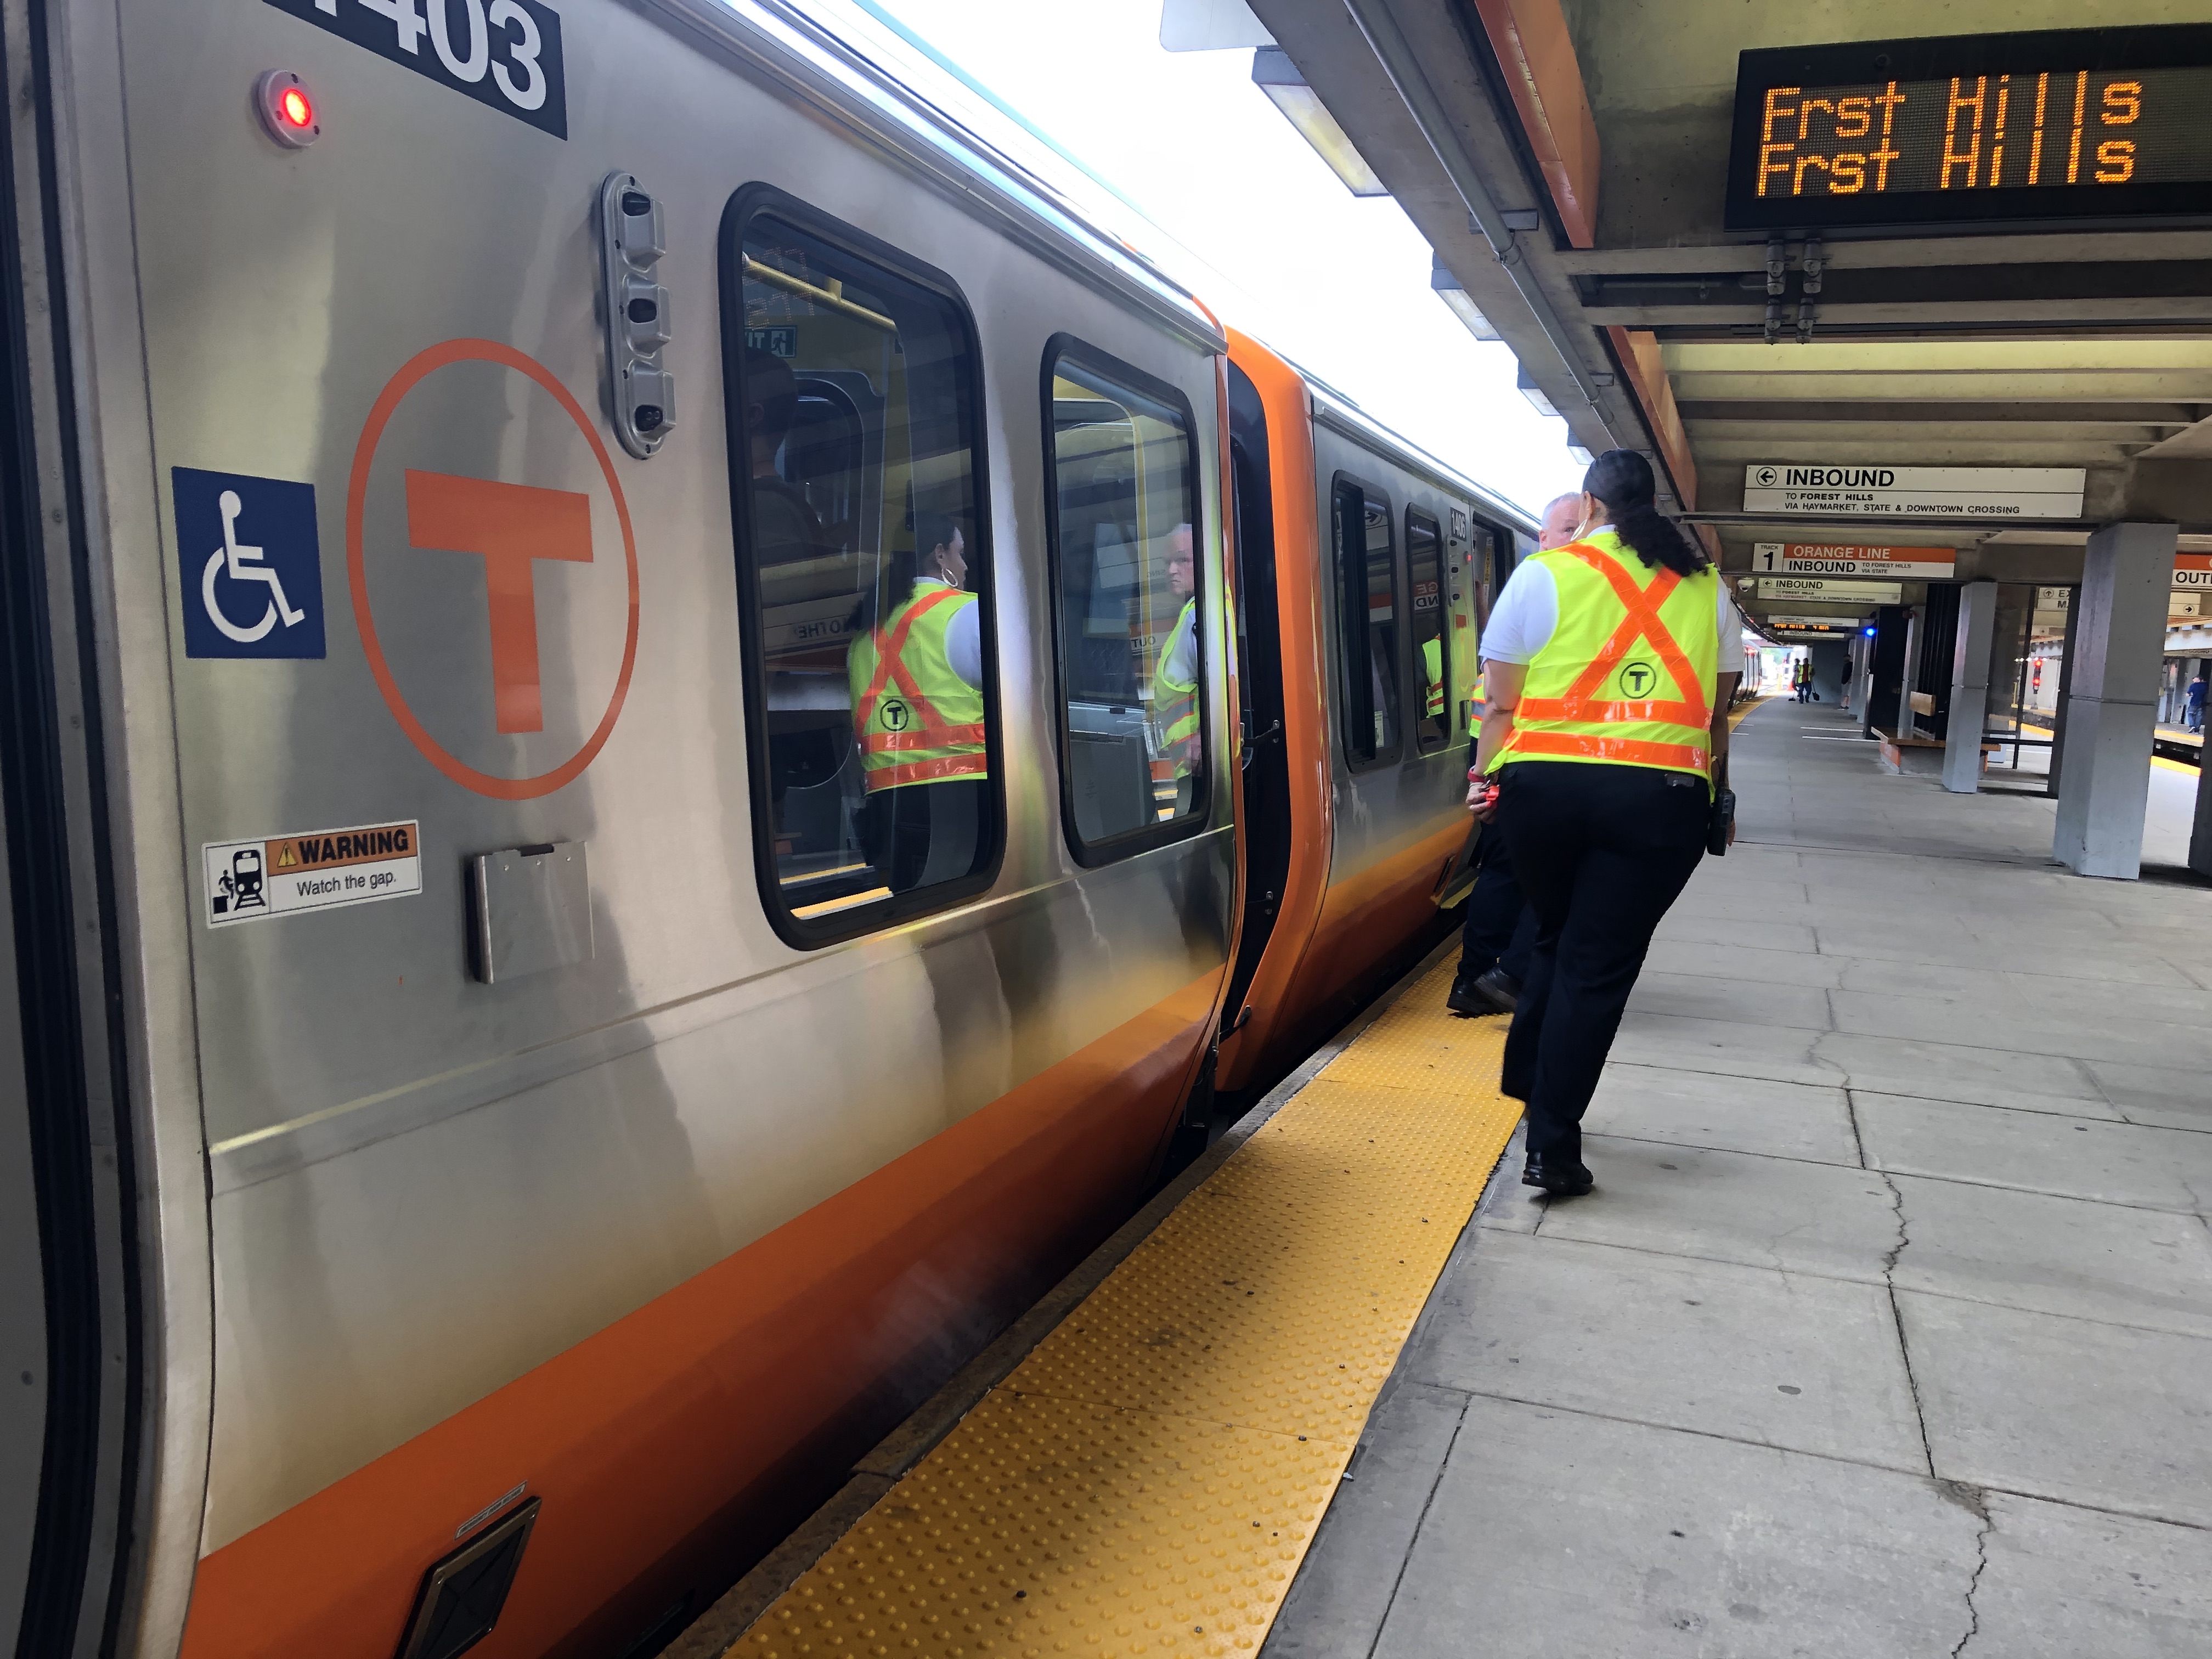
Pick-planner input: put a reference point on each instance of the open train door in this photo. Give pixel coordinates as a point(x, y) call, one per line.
point(73, 1381)
point(1266, 820)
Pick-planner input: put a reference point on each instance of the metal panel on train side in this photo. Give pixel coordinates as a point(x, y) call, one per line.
point(1385, 812)
point(426, 1185)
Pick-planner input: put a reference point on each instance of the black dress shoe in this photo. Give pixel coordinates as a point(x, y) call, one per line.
point(1501, 988)
point(1560, 1179)
point(1482, 995)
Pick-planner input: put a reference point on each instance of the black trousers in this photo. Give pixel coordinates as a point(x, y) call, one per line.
point(1601, 853)
point(907, 828)
point(1501, 929)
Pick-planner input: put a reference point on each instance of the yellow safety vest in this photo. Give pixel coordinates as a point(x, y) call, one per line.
point(1627, 676)
point(1432, 678)
point(917, 721)
point(1174, 704)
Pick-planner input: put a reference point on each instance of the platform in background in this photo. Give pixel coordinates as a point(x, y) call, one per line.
point(1886, 1332)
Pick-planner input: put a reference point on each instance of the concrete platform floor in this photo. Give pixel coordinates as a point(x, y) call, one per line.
point(1888, 1330)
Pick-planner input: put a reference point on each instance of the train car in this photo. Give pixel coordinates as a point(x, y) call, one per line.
point(537, 1027)
point(1368, 567)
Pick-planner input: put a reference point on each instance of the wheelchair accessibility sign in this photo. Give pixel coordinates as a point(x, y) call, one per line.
point(252, 566)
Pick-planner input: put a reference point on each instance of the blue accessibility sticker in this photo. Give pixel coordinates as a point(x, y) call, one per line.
point(252, 565)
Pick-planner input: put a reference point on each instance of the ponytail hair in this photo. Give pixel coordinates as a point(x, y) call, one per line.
point(1623, 480)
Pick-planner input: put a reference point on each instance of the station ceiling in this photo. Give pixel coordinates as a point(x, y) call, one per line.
point(1568, 161)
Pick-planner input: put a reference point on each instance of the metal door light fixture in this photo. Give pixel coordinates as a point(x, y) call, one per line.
point(1448, 289)
point(1274, 74)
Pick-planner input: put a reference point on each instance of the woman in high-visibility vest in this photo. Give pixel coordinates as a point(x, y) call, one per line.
point(1175, 675)
point(916, 674)
point(1607, 715)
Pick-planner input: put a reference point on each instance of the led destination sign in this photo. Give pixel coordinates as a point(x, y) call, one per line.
point(2061, 125)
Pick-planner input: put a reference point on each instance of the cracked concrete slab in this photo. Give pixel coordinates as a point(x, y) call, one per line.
point(1704, 997)
point(2066, 1583)
point(2060, 1256)
point(1975, 1074)
point(1553, 1535)
point(1809, 1364)
point(2109, 1416)
point(2083, 1157)
point(2155, 1095)
point(1729, 1047)
point(1730, 1114)
point(1731, 1207)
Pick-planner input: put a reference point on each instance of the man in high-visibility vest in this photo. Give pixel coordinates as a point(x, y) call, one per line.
point(1607, 713)
point(1501, 929)
point(1176, 675)
point(916, 676)
point(1433, 678)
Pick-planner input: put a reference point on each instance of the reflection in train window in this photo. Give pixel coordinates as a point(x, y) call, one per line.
point(1425, 576)
point(865, 576)
point(1126, 555)
point(1367, 624)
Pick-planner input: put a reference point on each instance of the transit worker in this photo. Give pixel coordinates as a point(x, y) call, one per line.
point(2196, 713)
point(1802, 677)
point(916, 674)
point(1607, 714)
point(1500, 931)
point(1174, 677)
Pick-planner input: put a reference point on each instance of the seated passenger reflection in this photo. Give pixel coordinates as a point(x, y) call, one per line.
point(917, 677)
point(784, 526)
point(1175, 679)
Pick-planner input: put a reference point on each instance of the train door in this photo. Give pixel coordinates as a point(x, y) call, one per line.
point(67, 1352)
point(1259, 659)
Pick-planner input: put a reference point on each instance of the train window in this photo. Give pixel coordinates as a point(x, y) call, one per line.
point(1128, 578)
point(1367, 624)
point(1424, 577)
point(864, 574)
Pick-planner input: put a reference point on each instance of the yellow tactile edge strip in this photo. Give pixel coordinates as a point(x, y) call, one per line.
point(1148, 1480)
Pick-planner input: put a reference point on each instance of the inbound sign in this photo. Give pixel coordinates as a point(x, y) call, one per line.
point(1913, 492)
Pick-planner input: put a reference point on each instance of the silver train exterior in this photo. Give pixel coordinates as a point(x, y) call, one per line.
point(334, 1244)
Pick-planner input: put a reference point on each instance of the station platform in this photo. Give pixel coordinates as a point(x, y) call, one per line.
point(1886, 1332)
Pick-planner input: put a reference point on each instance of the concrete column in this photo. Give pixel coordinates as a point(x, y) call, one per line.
point(1909, 672)
point(2119, 634)
point(1969, 688)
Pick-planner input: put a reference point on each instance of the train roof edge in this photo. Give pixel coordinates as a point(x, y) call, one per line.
point(777, 37)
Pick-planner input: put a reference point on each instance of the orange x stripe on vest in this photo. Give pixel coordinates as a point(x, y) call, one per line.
point(931, 731)
point(1641, 621)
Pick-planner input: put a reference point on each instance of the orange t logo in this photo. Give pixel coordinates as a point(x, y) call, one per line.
point(508, 527)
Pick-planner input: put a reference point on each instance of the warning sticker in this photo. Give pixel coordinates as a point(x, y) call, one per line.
point(282, 875)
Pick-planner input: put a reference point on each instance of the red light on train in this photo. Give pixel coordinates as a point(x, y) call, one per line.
point(287, 110)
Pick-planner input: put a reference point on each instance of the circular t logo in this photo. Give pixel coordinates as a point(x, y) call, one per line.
point(895, 715)
point(1637, 679)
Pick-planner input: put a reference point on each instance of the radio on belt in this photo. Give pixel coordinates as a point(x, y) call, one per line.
point(641, 392)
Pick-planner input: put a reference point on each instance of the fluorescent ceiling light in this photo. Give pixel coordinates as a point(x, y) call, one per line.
point(1448, 289)
point(1580, 454)
point(1534, 392)
point(1274, 74)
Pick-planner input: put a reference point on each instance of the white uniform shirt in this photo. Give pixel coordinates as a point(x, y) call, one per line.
point(1527, 614)
point(964, 637)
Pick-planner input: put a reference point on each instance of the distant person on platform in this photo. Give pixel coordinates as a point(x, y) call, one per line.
point(2195, 716)
point(1501, 929)
point(1802, 676)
